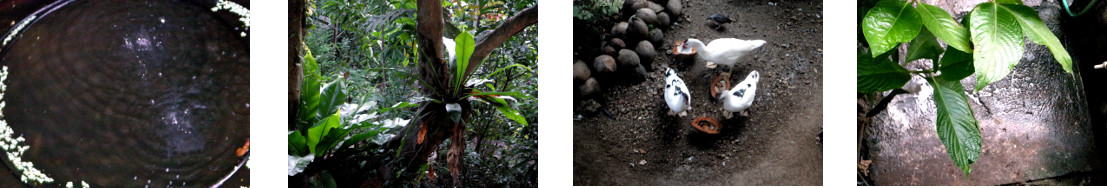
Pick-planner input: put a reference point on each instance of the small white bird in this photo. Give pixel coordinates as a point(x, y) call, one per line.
point(740, 98)
point(676, 94)
point(724, 51)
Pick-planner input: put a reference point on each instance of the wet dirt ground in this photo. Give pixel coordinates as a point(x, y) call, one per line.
point(626, 137)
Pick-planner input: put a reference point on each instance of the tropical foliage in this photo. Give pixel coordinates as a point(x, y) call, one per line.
point(372, 91)
point(987, 42)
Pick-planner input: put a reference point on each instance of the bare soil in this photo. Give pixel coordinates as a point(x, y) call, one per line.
point(626, 137)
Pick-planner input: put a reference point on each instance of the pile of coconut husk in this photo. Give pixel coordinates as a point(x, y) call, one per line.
point(629, 48)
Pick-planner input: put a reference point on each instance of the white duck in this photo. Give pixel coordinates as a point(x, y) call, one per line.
point(724, 51)
point(740, 98)
point(677, 95)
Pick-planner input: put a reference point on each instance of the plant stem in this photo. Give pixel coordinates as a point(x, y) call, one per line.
point(1065, 3)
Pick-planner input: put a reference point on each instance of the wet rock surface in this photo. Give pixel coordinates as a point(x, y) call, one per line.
point(1034, 125)
point(626, 138)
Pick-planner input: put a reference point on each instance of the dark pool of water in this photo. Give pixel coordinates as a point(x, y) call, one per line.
point(131, 93)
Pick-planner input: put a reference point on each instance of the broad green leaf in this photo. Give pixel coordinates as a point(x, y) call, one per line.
point(298, 163)
point(889, 23)
point(509, 112)
point(464, 50)
point(879, 74)
point(297, 144)
point(1037, 32)
point(332, 97)
point(397, 106)
point(309, 91)
point(375, 132)
point(997, 37)
point(513, 94)
point(956, 64)
point(943, 26)
point(957, 128)
point(331, 139)
point(309, 102)
point(310, 66)
point(925, 46)
point(317, 132)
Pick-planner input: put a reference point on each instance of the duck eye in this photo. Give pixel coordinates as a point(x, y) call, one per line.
point(748, 85)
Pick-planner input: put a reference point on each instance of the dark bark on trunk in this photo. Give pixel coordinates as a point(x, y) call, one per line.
point(295, 69)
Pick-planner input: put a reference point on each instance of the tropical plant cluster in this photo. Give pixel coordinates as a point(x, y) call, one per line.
point(361, 90)
point(987, 42)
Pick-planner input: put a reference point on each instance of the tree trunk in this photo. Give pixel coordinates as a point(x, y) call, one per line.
point(295, 69)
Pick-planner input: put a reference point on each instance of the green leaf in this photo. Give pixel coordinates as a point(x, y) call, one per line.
point(512, 93)
point(297, 144)
point(309, 91)
point(889, 23)
point(320, 130)
point(464, 49)
point(944, 26)
point(333, 95)
point(957, 128)
point(925, 46)
point(1037, 32)
point(879, 74)
point(509, 112)
point(309, 102)
point(331, 139)
point(956, 64)
point(311, 68)
point(374, 132)
point(998, 39)
point(399, 105)
point(1013, 2)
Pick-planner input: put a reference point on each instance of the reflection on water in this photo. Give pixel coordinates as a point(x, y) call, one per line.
point(131, 93)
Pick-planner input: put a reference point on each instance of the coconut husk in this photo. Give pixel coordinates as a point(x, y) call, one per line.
point(719, 85)
point(707, 125)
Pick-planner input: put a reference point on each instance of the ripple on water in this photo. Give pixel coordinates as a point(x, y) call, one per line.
point(88, 108)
